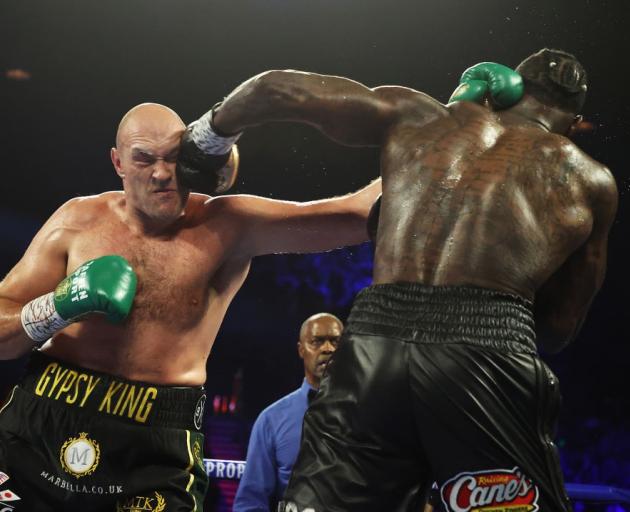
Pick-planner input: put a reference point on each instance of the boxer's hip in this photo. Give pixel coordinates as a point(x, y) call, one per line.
point(82, 390)
point(418, 313)
point(75, 438)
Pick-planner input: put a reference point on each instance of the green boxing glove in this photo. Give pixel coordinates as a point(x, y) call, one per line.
point(104, 285)
point(504, 85)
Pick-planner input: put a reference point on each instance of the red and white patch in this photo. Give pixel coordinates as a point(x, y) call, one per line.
point(8, 495)
point(3, 477)
point(495, 490)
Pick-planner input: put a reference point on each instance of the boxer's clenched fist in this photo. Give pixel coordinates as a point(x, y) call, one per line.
point(104, 285)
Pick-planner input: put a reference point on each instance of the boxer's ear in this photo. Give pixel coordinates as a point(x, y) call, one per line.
point(115, 157)
point(579, 125)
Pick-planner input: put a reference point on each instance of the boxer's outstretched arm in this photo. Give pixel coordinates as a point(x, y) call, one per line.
point(346, 111)
point(269, 226)
point(563, 301)
point(39, 270)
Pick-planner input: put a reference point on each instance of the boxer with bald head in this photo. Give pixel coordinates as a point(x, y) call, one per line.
point(123, 293)
point(491, 241)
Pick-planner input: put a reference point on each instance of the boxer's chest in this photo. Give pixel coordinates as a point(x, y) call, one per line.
point(174, 275)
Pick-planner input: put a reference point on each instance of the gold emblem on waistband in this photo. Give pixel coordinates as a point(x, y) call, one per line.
point(80, 456)
point(63, 288)
point(196, 450)
point(143, 504)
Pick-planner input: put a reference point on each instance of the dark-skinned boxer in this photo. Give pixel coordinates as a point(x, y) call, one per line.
point(122, 294)
point(491, 243)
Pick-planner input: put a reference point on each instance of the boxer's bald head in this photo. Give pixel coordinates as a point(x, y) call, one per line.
point(148, 118)
point(147, 144)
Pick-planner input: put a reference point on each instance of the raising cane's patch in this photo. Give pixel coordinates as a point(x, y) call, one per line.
point(495, 490)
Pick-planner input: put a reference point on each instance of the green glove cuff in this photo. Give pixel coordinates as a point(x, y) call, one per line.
point(65, 296)
point(472, 90)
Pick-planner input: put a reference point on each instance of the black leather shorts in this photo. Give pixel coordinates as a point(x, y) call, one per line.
point(72, 439)
point(432, 384)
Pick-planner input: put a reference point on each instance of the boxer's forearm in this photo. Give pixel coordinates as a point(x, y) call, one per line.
point(552, 336)
point(272, 226)
point(348, 225)
point(347, 222)
point(13, 339)
point(247, 105)
point(270, 96)
point(350, 228)
point(366, 196)
point(345, 110)
point(558, 320)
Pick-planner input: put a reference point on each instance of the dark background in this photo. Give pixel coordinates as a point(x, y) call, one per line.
point(90, 61)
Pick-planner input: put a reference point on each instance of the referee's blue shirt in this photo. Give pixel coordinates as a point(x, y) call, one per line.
point(271, 453)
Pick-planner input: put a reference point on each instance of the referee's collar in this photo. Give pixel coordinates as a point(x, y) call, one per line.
point(305, 388)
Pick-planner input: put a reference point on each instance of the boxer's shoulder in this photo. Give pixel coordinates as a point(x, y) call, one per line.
point(594, 178)
point(412, 104)
point(572, 157)
point(576, 156)
point(71, 219)
point(83, 211)
point(603, 189)
point(228, 206)
point(217, 213)
point(198, 201)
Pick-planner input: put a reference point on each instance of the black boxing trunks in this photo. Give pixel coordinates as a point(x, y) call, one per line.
point(73, 439)
point(432, 384)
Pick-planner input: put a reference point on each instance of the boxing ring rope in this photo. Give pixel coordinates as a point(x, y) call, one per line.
point(233, 470)
point(599, 493)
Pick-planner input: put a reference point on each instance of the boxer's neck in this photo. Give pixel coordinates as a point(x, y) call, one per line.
point(141, 224)
point(531, 111)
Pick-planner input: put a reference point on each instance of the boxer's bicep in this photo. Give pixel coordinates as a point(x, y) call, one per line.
point(564, 299)
point(343, 109)
point(41, 267)
point(38, 272)
point(354, 115)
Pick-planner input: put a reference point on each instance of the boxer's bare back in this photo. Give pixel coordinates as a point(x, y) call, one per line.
point(471, 196)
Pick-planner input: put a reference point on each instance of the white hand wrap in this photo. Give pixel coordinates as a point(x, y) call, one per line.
point(40, 319)
point(207, 140)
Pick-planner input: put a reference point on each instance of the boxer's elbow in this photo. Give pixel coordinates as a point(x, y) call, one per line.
point(347, 223)
point(554, 334)
point(355, 207)
point(14, 342)
point(357, 227)
point(552, 343)
point(14, 347)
